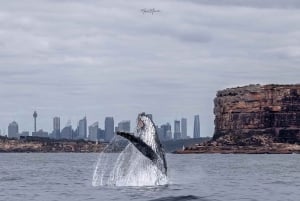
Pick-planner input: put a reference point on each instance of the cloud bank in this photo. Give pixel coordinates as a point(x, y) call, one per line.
point(105, 58)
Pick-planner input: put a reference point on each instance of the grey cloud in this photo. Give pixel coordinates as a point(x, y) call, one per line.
point(196, 37)
point(294, 4)
point(13, 73)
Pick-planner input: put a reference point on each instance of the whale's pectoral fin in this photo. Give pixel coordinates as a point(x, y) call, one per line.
point(140, 145)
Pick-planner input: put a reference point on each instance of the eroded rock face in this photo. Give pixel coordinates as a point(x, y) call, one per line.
point(269, 111)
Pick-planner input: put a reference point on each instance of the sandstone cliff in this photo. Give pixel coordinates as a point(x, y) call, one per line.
point(257, 114)
point(255, 119)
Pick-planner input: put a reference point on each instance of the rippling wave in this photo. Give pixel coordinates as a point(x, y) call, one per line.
point(179, 198)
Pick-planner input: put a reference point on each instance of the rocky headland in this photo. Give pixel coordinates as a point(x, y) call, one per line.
point(49, 145)
point(255, 119)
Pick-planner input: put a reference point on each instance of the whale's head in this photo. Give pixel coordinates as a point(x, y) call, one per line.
point(146, 129)
point(144, 121)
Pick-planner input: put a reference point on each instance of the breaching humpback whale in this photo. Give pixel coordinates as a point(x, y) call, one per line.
point(147, 142)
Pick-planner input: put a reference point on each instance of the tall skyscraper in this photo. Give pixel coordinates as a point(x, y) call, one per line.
point(196, 126)
point(56, 123)
point(93, 131)
point(34, 116)
point(101, 134)
point(82, 128)
point(184, 128)
point(165, 132)
point(75, 133)
point(177, 134)
point(67, 132)
point(56, 128)
point(109, 128)
point(13, 130)
point(124, 126)
point(169, 135)
point(160, 132)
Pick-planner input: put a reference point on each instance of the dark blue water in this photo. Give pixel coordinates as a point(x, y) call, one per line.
point(68, 177)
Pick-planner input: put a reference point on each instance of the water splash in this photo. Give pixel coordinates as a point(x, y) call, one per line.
point(129, 167)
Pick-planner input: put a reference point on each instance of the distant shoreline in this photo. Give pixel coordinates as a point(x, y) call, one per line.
point(46, 145)
point(275, 148)
point(40, 145)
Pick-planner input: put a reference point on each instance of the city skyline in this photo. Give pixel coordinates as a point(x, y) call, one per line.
point(43, 123)
point(82, 130)
point(65, 57)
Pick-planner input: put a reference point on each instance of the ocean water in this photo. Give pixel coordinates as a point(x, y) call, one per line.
point(207, 177)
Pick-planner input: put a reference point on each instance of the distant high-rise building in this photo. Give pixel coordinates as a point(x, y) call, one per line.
point(176, 126)
point(160, 132)
point(40, 133)
point(93, 131)
point(169, 135)
point(75, 133)
point(196, 126)
point(56, 123)
point(124, 126)
point(109, 128)
point(34, 116)
point(67, 132)
point(177, 134)
point(184, 128)
point(165, 132)
point(56, 128)
point(101, 134)
point(82, 128)
point(13, 130)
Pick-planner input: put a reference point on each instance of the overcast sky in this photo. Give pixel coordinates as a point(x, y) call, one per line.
point(72, 58)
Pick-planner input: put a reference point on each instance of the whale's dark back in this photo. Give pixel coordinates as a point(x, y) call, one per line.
point(140, 145)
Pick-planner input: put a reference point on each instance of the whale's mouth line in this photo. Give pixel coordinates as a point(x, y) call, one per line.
point(140, 124)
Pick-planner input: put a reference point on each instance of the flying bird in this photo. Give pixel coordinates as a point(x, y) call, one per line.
point(151, 10)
